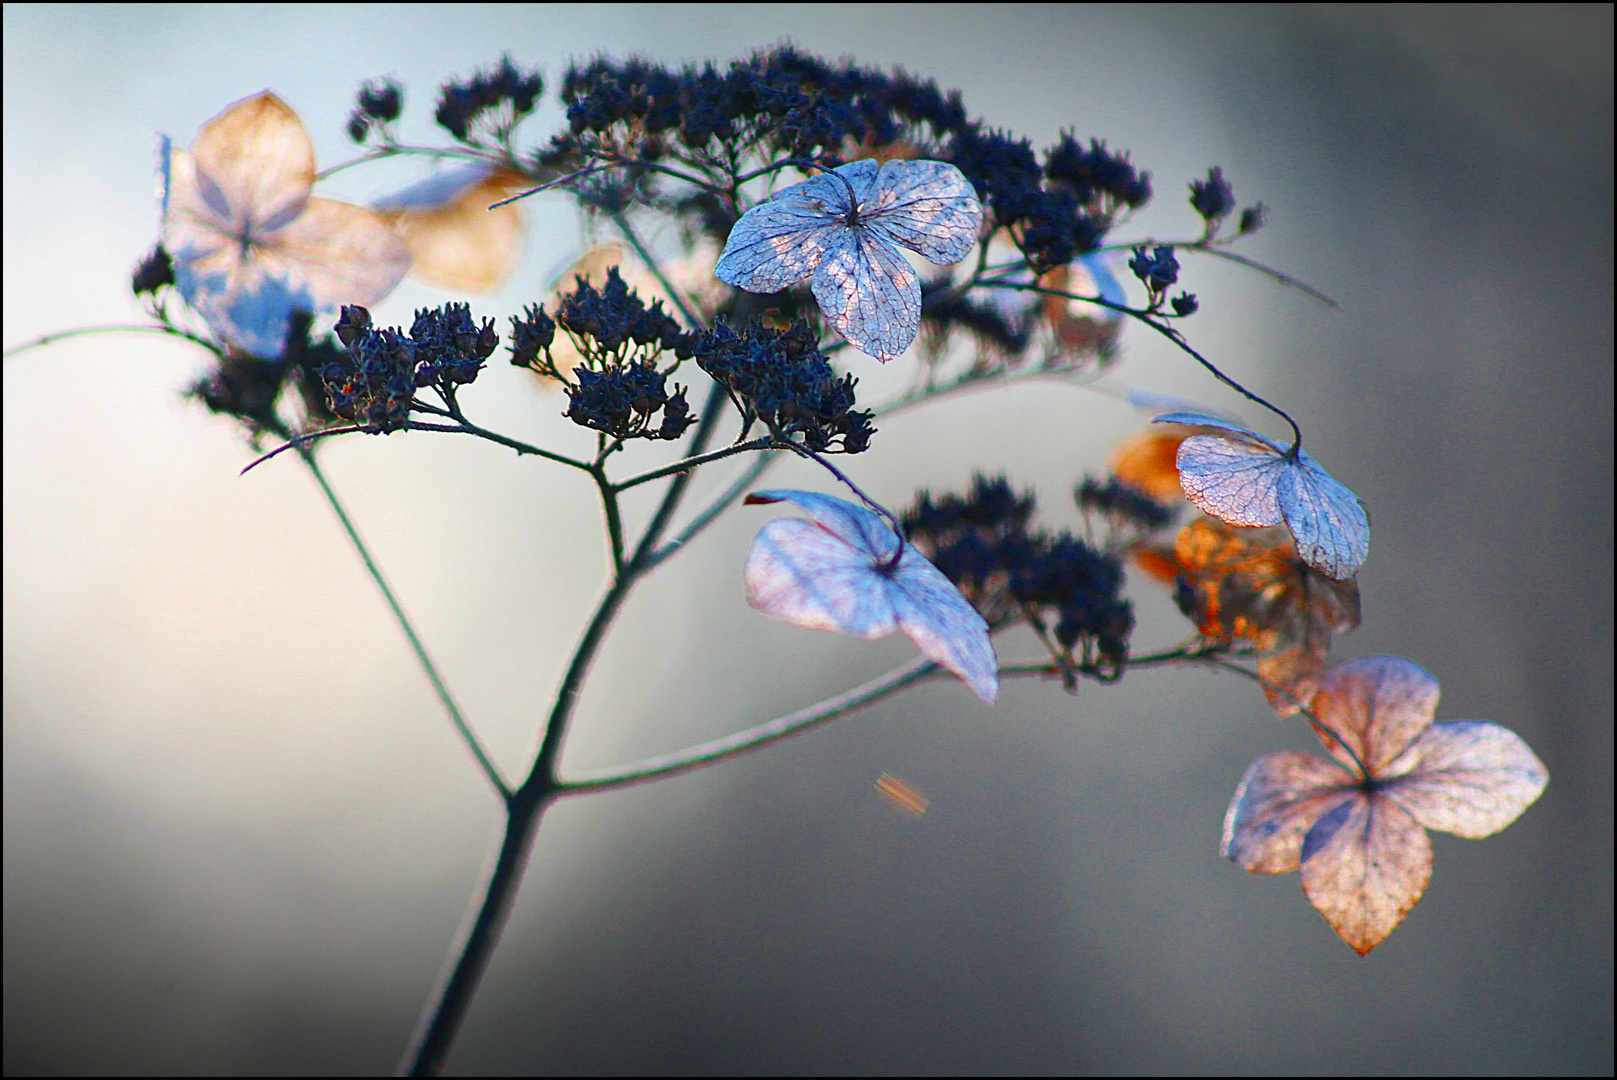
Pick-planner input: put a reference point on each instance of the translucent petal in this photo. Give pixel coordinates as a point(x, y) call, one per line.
point(777, 244)
point(943, 624)
point(869, 292)
point(454, 238)
point(853, 525)
point(1378, 705)
point(1467, 777)
point(833, 574)
point(250, 245)
point(799, 573)
point(1243, 478)
point(1281, 796)
point(1365, 864)
point(260, 158)
point(927, 206)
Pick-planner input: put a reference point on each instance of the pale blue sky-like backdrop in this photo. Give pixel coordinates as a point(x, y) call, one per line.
point(240, 836)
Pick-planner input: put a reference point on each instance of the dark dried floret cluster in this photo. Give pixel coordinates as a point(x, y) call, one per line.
point(249, 387)
point(375, 384)
point(975, 540)
point(612, 322)
point(943, 308)
point(155, 271)
point(486, 106)
point(783, 103)
point(1212, 198)
point(780, 377)
point(380, 103)
point(623, 400)
point(1124, 504)
point(986, 545)
point(1156, 269)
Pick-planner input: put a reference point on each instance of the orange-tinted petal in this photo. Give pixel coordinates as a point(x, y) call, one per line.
point(1365, 864)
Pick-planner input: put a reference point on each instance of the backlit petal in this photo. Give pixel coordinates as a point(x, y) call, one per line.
point(1365, 864)
point(1467, 777)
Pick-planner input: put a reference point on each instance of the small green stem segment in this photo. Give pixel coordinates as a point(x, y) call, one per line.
point(431, 669)
point(119, 328)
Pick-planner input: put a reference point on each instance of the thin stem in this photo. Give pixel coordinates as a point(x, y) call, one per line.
point(111, 328)
point(614, 518)
point(691, 321)
point(898, 528)
point(618, 160)
point(1172, 335)
point(467, 428)
point(803, 720)
point(1214, 248)
point(574, 175)
point(458, 985)
point(421, 655)
point(1308, 714)
point(299, 443)
point(709, 513)
point(752, 738)
point(686, 464)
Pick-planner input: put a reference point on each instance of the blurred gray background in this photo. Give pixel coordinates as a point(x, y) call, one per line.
point(239, 837)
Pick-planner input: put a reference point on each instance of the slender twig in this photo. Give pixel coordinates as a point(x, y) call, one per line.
point(687, 464)
point(299, 443)
point(614, 517)
point(1172, 335)
point(465, 428)
point(1216, 249)
point(640, 249)
point(420, 650)
point(805, 719)
point(713, 509)
point(753, 738)
point(619, 160)
point(574, 175)
point(526, 806)
point(112, 328)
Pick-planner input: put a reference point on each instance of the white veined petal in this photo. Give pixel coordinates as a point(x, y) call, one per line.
point(777, 244)
point(869, 292)
point(802, 574)
point(1200, 419)
point(833, 574)
point(928, 206)
point(943, 624)
point(1233, 481)
point(1245, 479)
point(1328, 521)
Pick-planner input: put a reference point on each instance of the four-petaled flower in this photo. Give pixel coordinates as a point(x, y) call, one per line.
point(847, 571)
point(250, 245)
point(1359, 833)
point(1244, 479)
point(845, 228)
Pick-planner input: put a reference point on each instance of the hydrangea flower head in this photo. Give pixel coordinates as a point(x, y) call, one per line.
point(1357, 828)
